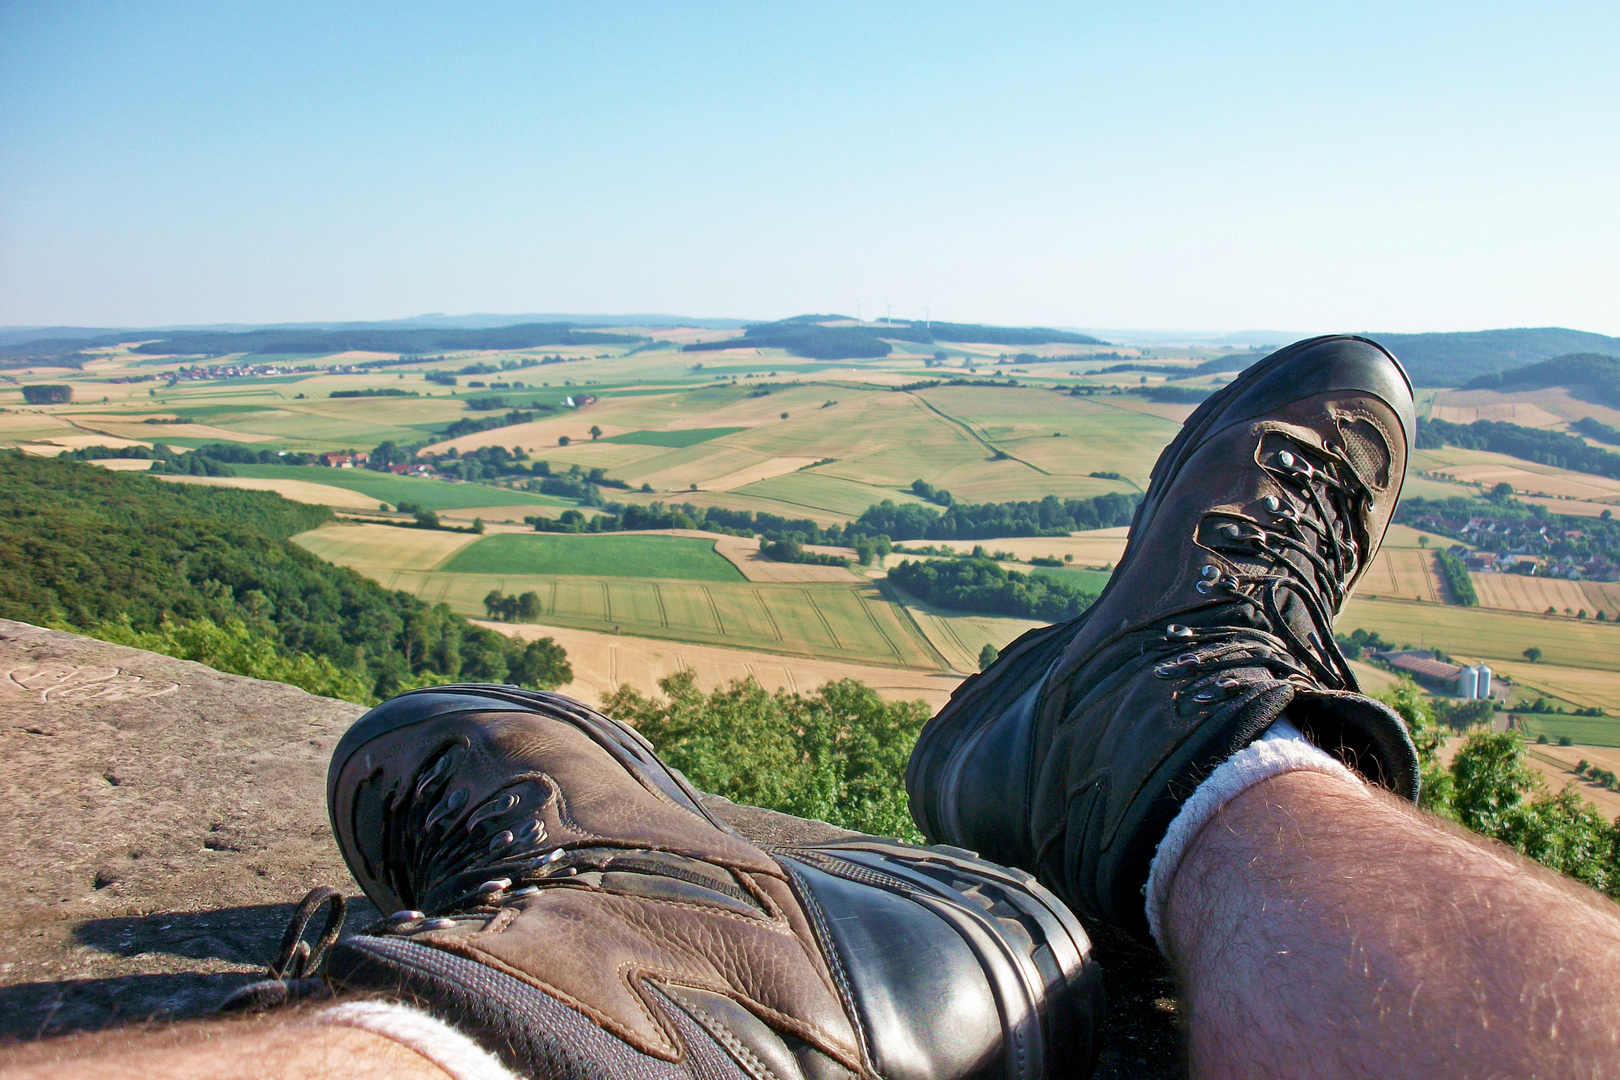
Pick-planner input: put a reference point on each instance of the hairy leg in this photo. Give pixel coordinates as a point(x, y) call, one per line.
point(1321, 928)
point(281, 1045)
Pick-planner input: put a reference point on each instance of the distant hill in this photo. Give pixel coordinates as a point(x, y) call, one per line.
point(324, 342)
point(1454, 359)
point(1588, 376)
point(808, 336)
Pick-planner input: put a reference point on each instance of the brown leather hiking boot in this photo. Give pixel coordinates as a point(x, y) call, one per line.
point(565, 899)
point(1071, 755)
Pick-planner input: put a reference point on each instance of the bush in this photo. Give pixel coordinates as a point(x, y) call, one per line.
point(235, 649)
point(1456, 578)
point(838, 754)
point(1490, 790)
point(47, 394)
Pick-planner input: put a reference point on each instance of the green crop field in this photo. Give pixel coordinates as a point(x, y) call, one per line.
point(675, 439)
point(608, 555)
point(1092, 581)
point(388, 488)
point(828, 621)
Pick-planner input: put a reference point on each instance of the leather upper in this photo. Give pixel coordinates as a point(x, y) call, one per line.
point(1260, 519)
point(547, 843)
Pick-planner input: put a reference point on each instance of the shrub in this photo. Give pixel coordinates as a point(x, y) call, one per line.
point(47, 394)
point(838, 754)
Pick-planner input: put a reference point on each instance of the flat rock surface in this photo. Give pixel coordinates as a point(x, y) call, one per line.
point(164, 818)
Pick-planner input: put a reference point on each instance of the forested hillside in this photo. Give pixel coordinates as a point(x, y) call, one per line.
point(85, 547)
point(1589, 376)
point(1454, 359)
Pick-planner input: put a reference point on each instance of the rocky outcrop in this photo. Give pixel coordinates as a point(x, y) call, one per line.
point(163, 818)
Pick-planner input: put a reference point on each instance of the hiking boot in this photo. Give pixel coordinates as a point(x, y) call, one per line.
point(564, 898)
point(1072, 753)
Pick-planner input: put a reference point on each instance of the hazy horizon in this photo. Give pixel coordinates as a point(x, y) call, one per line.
point(1159, 167)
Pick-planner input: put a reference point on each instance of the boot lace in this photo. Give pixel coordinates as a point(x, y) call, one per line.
point(1306, 550)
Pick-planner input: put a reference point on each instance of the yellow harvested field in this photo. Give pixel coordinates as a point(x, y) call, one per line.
point(602, 662)
point(1553, 399)
point(378, 550)
point(1556, 764)
point(1586, 687)
point(123, 464)
point(753, 474)
point(1094, 547)
point(743, 553)
point(59, 443)
point(1527, 478)
point(1523, 413)
point(297, 490)
point(1402, 573)
point(1517, 592)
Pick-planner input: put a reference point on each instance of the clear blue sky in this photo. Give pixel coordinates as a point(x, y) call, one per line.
point(1301, 166)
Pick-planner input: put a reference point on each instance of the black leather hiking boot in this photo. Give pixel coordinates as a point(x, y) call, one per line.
point(1073, 752)
point(565, 899)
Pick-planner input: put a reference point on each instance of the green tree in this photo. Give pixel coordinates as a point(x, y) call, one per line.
point(596, 433)
point(1436, 788)
point(988, 655)
point(426, 519)
point(528, 607)
point(492, 603)
point(1532, 654)
point(838, 754)
point(542, 665)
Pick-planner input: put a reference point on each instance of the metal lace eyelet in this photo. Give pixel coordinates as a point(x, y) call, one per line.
point(532, 830)
point(490, 888)
point(527, 890)
point(1187, 658)
point(438, 924)
point(453, 802)
point(555, 854)
point(405, 916)
point(1210, 571)
point(1227, 683)
point(1177, 630)
point(500, 840)
point(1286, 459)
point(1166, 671)
point(1231, 531)
point(1273, 503)
point(1204, 695)
point(494, 808)
point(1205, 587)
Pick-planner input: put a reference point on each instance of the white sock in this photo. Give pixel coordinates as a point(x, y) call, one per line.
point(422, 1032)
point(1281, 749)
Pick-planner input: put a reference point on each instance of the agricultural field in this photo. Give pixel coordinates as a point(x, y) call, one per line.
point(1519, 592)
point(602, 662)
point(629, 555)
point(708, 429)
point(1488, 634)
point(382, 487)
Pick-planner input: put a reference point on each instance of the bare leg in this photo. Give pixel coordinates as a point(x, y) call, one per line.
point(1323, 929)
point(277, 1046)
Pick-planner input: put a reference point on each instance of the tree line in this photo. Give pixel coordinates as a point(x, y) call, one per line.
point(980, 584)
point(1531, 444)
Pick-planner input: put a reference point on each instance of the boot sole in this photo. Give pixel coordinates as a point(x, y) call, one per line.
point(1236, 403)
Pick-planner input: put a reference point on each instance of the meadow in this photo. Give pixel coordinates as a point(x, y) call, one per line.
point(624, 555)
point(388, 488)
